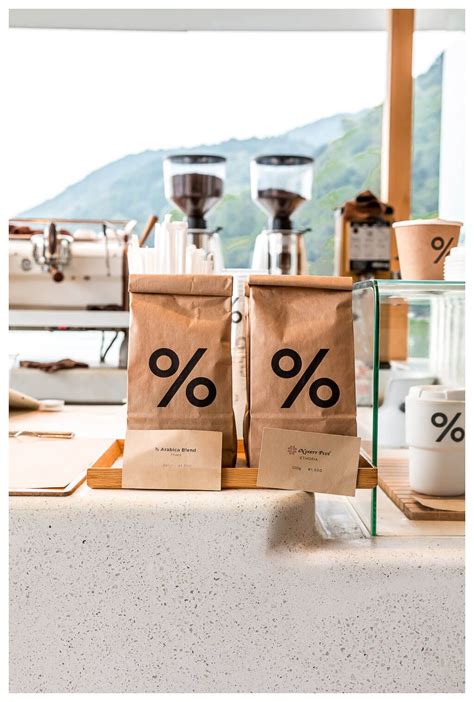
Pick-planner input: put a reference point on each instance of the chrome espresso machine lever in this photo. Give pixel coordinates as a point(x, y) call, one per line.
point(52, 251)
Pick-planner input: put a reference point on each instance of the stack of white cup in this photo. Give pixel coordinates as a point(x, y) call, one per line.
point(454, 264)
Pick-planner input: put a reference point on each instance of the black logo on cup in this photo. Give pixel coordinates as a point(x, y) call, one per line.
point(440, 420)
point(439, 244)
point(188, 368)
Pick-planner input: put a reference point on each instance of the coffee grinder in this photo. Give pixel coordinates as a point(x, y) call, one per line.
point(195, 184)
point(279, 185)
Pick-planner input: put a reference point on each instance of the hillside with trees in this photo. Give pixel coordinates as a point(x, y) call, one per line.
point(346, 148)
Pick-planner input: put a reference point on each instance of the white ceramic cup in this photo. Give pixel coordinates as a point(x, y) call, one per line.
point(435, 436)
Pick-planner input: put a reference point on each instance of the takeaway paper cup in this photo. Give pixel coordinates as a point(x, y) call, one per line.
point(423, 244)
point(435, 436)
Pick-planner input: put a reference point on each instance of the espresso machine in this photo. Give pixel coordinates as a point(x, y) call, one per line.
point(68, 294)
point(279, 185)
point(195, 184)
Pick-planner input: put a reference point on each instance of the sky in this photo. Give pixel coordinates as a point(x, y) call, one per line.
point(78, 100)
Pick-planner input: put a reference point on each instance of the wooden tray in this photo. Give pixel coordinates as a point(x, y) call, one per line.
point(393, 479)
point(59, 462)
point(104, 475)
point(50, 492)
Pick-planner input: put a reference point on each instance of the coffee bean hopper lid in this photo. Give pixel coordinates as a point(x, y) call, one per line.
point(437, 393)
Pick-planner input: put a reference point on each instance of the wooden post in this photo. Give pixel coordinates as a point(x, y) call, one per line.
point(398, 118)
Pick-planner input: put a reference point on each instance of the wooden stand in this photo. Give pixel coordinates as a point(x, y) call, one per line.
point(393, 479)
point(105, 474)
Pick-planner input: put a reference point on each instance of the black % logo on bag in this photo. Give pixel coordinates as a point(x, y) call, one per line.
point(184, 375)
point(305, 378)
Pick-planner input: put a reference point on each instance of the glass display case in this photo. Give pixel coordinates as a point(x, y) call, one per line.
point(405, 333)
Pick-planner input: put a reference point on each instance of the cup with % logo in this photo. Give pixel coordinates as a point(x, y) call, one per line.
point(435, 433)
point(423, 246)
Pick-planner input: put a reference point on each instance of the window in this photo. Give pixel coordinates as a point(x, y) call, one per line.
point(438, 125)
point(96, 112)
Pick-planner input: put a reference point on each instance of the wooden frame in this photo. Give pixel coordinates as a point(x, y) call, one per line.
point(396, 171)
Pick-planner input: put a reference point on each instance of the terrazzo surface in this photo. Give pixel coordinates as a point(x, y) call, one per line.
point(239, 591)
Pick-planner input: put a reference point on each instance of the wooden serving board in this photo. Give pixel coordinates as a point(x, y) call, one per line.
point(106, 474)
point(50, 467)
point(49, 492)
point(393, 479)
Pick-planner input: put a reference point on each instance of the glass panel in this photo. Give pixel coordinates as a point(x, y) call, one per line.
point(420, 328)
point(366, 372)
point(405, 333)
point(366, 349)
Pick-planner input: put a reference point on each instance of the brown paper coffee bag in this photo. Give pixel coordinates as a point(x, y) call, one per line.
point(300, 357)
point(179, 365)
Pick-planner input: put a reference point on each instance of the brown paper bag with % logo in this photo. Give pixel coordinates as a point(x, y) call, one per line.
point(300, 357)
point(179, 365)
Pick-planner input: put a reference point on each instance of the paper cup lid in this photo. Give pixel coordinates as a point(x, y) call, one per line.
point(431, 222)
point(437, 392)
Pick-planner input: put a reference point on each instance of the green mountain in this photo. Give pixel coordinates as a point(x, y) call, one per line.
point(346, 148)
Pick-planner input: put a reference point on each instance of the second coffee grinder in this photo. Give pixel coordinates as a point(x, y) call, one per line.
point(195, 184)
point(279, 185)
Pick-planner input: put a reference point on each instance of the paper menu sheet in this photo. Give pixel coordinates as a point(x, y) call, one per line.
point(448, 504)
point(50, 463)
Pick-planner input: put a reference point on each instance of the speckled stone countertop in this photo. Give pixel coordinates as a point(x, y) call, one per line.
point(239, 591)
point(234, 591)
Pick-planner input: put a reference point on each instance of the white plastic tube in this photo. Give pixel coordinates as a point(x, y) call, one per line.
point(181, 235)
